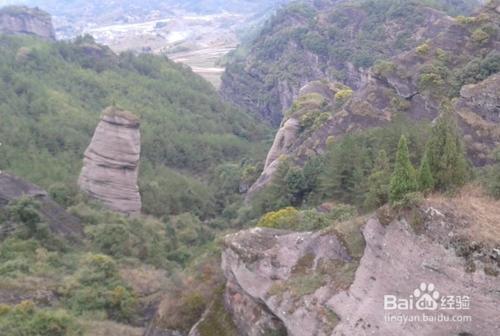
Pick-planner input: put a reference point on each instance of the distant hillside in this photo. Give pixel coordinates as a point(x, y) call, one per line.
point(335, 40)
point(456, 71)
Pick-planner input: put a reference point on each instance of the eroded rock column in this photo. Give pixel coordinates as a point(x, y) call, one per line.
point(111, 163)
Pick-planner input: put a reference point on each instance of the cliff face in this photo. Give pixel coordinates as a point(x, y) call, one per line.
point(333, 40)
point(20, 20)
point(333, 282)
point(459, 65)
point(111, 164)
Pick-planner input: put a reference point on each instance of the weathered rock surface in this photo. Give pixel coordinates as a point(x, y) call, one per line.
point(396, 262)
point(279, 62)
point(283, 141)
point(20, 20)
point(279, 280)
point(111, 164)
point(315, 285)
point(479, 111)
point(60, 222)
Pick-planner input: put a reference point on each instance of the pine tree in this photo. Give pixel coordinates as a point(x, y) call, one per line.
point(425, 179)
point(378, 182)
point(446, 153)
point(403, 180)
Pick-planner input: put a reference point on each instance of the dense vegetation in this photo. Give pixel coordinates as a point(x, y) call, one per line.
point(367, 170)
point(199, 157)
point(198, 154)
point(51, 97)
point(307, 41)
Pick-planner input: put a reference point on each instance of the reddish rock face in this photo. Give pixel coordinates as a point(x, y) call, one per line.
point(111, 164)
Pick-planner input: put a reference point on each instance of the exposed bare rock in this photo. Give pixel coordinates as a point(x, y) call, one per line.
point(20, 20)
point(285, 137)
point(479, 110)
point(111, 164)
point(274, 275)
point(396, 262)
point(483, 98)
point(278, 63)
point(315, 284)
point(60, 222)
point(395, 88)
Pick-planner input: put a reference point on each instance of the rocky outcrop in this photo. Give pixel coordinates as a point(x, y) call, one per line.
point(59, 221)
point(284, 139)
point(278, 280)
point(478, 109)
point(20, 20)
point(411, 85)
point(291, 51)
point(315, 283)
point(111, 164)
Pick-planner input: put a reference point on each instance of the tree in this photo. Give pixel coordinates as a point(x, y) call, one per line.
point(493, 178)
point(345, 171)
point(446, 154)
point(403, 180)
point(425, 179)
point(378, 182)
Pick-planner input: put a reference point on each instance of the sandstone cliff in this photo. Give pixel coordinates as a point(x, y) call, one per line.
point(111, 164)
point(333, 282)
point(20, 20)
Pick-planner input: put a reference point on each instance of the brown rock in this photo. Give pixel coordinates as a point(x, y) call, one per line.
point(111, 164)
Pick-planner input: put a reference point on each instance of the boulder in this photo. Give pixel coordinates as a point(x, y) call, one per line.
point(111, 164)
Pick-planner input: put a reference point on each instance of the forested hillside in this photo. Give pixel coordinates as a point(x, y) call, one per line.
point(52, 95)
point(334, 40)
point(383, 177)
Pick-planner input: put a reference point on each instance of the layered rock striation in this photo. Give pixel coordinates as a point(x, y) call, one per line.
point(333, 282)
point(111, 164)
point(21, 20)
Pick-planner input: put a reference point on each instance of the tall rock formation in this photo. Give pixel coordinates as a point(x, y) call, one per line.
point(111, 164)
point(21, 20)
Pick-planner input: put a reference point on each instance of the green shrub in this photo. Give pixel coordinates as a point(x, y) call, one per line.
point(64, 194)
point(480, 36)
point(24, 319)
point(423, 49)
point(287, 218)
point(97, 287)
point(342, 96)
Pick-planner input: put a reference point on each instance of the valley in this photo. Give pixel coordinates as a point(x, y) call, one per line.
point(343, 156)
point(196, 35)
point(199, 41)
